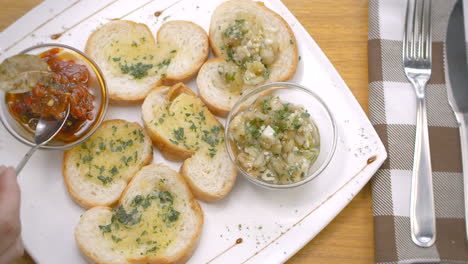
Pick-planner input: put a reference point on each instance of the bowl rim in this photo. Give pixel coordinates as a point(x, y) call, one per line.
point(288, 85)
point(105, 100)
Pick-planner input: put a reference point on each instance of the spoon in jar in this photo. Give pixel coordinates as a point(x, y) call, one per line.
point(46, 130)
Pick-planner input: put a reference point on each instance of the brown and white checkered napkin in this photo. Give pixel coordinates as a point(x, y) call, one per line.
point(392, 108)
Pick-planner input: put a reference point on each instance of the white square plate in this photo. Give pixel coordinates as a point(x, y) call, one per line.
point(273, 224)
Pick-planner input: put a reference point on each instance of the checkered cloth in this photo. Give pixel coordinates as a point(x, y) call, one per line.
point(392, 107)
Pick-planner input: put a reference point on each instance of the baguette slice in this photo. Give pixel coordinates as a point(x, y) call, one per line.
point(133, 62)
point(157, 221)
point(97, 171)
point(182, 128)
point(254, 45)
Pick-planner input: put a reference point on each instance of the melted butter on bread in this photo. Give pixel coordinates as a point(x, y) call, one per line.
point(182, 128)
point(110, 153)
point(97, 171)
point(140, 57)
point(156, 221)
point(133, 62)
point(145, 224)
point(186, 123)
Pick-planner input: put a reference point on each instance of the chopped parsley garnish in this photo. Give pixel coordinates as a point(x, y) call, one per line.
point(100, 168)
point(266, 73)
point(235, 30)
point(164, 63)
point(141, 136)
point(266, 106)
point(284, 113)
point(212, 136)
point(296, 123)
point(87, 158)
point(253, 127)
point(105, 228)
point(171, 216)
point(179, 134)
point(116, 239)
point(174, 142)
point(230, 53)
point(193, 127)
point(212, 152)
point(152, 249)
point(138, 70)
point(165, 197)
point(104, 180)
point(230, 76)
point(132, 216)
point(126, 159)
point(114, 171)
point(202, 115)
point(102, 146)
point(128, 219)
point(137, 200)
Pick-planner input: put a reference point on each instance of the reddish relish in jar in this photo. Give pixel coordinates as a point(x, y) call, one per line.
point(67, 84)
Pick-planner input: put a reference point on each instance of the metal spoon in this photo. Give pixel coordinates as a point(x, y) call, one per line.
point(46, 130)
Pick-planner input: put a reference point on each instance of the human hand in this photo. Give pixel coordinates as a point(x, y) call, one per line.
point(11, 246)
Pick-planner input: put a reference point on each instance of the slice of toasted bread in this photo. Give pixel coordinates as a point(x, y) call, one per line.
point(214, 91)
point(97, 171)
point(133, 62)
point(182, 128)
point(157, 221)
point(255, 45)
point(190, 52)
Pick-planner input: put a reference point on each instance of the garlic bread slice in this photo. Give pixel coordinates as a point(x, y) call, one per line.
point(183, 129)
point(253, 46)
point(156, 221)
point(133, 62)
point(97, 171)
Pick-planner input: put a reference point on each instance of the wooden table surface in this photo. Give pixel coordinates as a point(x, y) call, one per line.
point(340, 29)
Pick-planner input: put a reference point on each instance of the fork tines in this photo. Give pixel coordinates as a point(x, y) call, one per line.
point(417, 37)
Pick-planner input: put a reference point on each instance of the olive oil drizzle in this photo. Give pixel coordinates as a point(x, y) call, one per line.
point(238, 241)
point(145, 4)
point(158, 13)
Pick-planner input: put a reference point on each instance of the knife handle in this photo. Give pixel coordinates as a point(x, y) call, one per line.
point(422, 216)
point(463, 125)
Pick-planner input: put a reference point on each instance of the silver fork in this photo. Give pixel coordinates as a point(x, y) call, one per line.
point(417, 62)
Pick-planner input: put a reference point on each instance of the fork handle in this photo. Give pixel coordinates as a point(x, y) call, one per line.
point(463, 126)
point(422, 216)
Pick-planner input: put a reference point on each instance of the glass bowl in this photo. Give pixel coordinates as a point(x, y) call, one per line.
point(295, 95)
point(97, 87)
